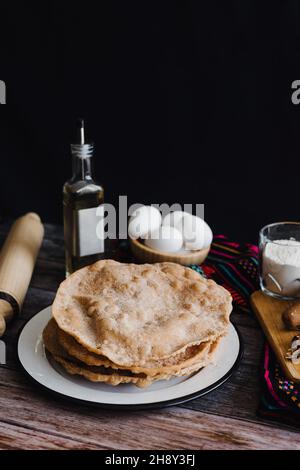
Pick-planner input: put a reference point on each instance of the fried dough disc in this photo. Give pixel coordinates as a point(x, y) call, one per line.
point(133, 314)
point(94, 374)
point(190, 356)
point(107, 374)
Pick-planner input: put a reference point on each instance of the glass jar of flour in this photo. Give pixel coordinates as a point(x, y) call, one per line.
point(279, 247)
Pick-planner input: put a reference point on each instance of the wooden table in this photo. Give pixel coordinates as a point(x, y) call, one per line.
point(223, 419)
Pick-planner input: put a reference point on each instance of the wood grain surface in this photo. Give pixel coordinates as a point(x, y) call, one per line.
point(224, 419)
point(269, 313)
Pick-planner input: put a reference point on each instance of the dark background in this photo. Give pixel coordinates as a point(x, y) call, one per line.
point(187, 102)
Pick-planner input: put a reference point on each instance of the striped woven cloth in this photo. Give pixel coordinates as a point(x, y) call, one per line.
point(235, 266)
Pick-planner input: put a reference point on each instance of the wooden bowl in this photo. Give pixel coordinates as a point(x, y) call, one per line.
point(145, 254)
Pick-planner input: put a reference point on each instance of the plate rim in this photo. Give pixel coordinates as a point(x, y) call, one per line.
point(133, 407)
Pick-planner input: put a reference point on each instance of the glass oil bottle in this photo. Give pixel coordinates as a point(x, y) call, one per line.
point(83, 203)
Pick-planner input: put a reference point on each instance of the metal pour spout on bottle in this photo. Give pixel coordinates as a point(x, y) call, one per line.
point(83, 202)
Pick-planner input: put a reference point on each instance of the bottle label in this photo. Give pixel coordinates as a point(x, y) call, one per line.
point(89, 227)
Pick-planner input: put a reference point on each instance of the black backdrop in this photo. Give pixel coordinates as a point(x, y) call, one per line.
point(187, 102)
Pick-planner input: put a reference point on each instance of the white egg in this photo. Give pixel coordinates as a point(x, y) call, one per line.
point(165, 238)
point(173, 218)
point(195, 232)
point(144, 220)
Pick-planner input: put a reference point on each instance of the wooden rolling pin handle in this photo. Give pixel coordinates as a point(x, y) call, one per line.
point(17, 260)
point(6, 313)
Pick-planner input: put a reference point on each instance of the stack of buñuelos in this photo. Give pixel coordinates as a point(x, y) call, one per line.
point(127, 323)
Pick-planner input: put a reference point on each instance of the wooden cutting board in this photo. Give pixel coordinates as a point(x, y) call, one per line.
point(269, 312)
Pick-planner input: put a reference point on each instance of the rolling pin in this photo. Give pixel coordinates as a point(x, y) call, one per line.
point(17, 260)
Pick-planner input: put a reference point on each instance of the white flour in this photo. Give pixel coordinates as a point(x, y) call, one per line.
point(281, 267)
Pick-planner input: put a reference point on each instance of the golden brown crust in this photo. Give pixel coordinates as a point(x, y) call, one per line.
point(74, 367)
point(188, 357)
point(136, 314)
point(50, 339)
point(77, 350)
point(113, 376)
point(94, 376)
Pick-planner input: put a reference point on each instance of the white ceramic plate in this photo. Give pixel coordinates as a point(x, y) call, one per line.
point(52, 377)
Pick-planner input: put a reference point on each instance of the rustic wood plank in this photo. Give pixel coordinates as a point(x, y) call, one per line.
point(53, 231)
point(57, 422)
point(14, 437)
point(238, 398)
point(230, 399)
point(224, 419)
point(48, 275)
point(269, 313)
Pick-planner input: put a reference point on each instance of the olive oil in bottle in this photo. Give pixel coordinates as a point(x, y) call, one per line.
point(83, 206)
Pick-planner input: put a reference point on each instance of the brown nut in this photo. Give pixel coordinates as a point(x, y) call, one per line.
point(291, 317)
